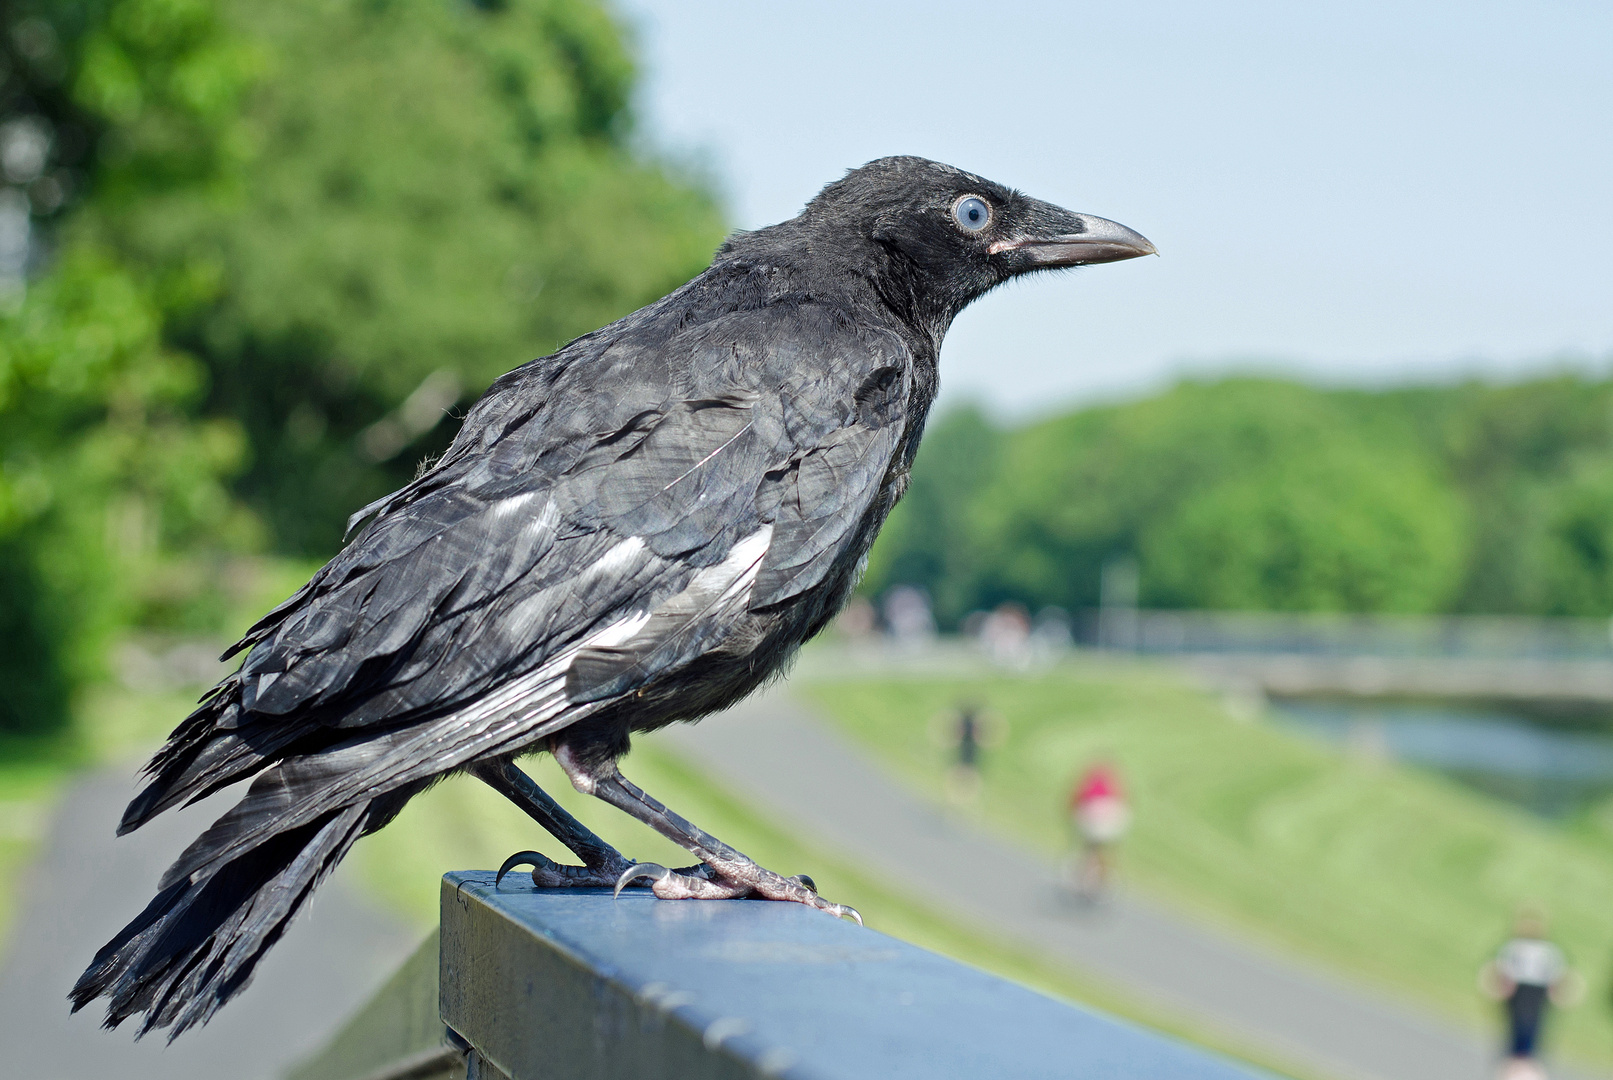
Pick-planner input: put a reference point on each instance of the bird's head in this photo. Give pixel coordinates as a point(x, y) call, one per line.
point(936, 237)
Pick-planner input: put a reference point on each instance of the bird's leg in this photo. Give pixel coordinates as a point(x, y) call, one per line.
point(602, 865)
point(729, 873)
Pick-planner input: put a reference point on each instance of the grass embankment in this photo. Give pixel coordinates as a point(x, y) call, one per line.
point(1390, 874)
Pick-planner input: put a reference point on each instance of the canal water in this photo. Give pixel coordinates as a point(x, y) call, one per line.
point(1549, 767)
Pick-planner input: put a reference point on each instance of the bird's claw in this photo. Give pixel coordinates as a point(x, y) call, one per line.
point(548, 874)
point(534, 859)
point(653, 871)
point(845, 911)
point(813, 900)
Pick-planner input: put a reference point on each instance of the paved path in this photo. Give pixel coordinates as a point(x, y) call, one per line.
point(88, 885)
point(793, 768)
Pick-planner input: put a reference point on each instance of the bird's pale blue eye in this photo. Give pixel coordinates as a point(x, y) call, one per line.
point(971, 212)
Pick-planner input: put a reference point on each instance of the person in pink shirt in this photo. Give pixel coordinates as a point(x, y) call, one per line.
point(1099, 816)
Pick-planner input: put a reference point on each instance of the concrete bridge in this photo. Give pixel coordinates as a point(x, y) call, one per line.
point(1547, 685)
point(1550, 664)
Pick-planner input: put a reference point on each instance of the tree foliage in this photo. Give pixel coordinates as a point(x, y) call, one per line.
point(106, 477)
point(430, 192)
point(1265, 494)
point(933, 538)
point(268, 248)
point(106, 474)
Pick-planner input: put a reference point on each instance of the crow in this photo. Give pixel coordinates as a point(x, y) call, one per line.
point(638, 529)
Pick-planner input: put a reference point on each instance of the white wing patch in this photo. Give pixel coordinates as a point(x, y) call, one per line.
point(619, 557)
point(617, 632)
point(692, 621)
point(728, 582)
point(516, 503)
point(735, 574)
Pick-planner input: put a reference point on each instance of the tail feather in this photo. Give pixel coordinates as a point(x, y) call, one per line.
point(216, 746)
point(233, 950)
point(198, 943)
point(227, 759)
point(230, 896)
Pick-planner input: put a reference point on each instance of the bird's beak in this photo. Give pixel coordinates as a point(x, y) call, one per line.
point(1063, 238)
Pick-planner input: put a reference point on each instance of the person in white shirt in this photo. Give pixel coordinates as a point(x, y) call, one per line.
point(1526, 975)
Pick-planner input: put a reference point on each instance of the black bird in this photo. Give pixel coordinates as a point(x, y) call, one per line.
point(639, 529)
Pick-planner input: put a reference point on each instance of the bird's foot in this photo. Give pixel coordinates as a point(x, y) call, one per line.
point(724, 874)
point(728, 883)
point(548, 874)
point(799, 888)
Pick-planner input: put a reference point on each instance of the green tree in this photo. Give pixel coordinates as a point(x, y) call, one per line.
point(106, 477)
point(1243, 493)
point(428, 193)
point(1525, 457)
point(1571, 550)
point(288, 237)
point(1338, 525)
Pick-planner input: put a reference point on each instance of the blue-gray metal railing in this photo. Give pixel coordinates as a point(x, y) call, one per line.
point(559, 984)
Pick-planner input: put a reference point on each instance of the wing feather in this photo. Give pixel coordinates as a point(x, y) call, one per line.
point(661, 484)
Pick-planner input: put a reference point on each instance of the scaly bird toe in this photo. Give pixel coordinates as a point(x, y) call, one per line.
point(666, 884)
point(704, 882)
point(548, 874)
point(798, 888)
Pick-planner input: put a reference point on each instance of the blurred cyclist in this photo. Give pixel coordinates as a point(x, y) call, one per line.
point(1100, 816)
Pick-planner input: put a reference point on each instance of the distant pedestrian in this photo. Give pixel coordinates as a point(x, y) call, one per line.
point(1527, 975)
point(858, 621)
point(969, 738)
point(1099, 816)
point(966, 738)
point(967, 732)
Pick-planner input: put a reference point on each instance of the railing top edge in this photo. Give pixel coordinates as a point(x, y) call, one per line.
point(780, 983)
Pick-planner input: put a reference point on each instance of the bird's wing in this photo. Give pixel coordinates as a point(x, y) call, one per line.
point(824, 411)
point(601, 518)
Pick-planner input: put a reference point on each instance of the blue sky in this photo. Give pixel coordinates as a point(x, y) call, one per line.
point(1364, 192)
